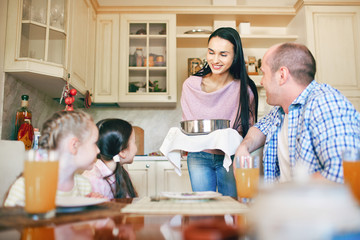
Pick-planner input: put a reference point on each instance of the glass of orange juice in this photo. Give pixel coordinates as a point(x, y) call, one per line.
point(351, 167)
point(41, 176)
point(38, 233)
point(247, 177)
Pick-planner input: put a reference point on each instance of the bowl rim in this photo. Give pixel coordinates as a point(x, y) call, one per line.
point(198, 120)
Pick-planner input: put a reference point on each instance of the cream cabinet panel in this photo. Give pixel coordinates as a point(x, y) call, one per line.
point(143, 177)
point(337, 48)
point(332, 33)
point(107, 59)
point(152, 177)
point(147, 60)
point(82, 45)
point(169, 181)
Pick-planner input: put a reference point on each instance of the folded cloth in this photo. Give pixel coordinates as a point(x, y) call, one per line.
point(226, 140)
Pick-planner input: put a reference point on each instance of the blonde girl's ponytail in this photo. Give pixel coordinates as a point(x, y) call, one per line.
point(63, 123)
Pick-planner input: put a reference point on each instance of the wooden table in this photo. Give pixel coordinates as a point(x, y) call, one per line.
point(106, 221)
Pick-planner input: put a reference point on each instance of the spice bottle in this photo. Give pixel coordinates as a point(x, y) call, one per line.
point(21, 113)
point(26, 133)
point(36, 138)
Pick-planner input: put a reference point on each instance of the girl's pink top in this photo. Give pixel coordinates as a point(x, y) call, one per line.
point(98, 183)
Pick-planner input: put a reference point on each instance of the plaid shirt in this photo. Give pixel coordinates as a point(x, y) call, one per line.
point(322, 123)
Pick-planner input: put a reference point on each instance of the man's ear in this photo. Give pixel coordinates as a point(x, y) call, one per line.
point(73, 145)
point(284, 75)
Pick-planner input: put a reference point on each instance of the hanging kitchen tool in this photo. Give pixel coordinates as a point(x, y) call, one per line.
point(87, 100)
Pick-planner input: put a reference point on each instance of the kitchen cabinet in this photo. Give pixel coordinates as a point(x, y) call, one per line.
point(336, 48)
point(45, 42)
point(107, 59)
point(169, 181)
point(82, 45)
point(36, 43)
point(143, 177)
point(151, 177)
point(147, 59)
point(268, 27)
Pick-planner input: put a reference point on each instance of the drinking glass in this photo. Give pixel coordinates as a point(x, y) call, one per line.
point(45, 232)
point(247, 177)
point(41, 177)
point(351, 167)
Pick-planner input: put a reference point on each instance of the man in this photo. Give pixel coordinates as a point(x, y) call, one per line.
point(310, 124)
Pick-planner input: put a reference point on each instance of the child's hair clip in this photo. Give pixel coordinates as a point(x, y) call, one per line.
point(116, 158)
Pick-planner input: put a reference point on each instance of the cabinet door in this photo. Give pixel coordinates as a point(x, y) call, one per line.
point(336, 48)
point(107, 55)
point(142, 175)
point(169, 181)
point(148, 59)
point(82, 45)
point(36, 43)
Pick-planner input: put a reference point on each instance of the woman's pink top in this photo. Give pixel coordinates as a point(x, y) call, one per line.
point(96, 177)
point(221, 104)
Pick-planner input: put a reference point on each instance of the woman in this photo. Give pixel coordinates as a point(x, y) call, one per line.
point(222, 89)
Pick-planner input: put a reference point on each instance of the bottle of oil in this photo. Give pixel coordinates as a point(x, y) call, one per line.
point(26, 134)
point(21, 113)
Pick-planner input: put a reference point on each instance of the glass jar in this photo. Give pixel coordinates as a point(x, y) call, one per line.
point(139, 57)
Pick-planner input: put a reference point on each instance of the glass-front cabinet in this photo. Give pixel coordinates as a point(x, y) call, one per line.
point(50, 41)
point(36, 43)
point(43, 30)
point(147, 59)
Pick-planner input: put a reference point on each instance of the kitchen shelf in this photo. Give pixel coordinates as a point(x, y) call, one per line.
point(261, 19)
point(248, 41)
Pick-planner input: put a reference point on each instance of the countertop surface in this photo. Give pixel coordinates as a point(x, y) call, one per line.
point(147, 158)
point(153, 158)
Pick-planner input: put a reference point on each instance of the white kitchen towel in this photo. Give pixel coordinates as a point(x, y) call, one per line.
point(226, 140)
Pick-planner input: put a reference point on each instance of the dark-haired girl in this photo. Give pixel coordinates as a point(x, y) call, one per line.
point(222, 89)
point(117, 147)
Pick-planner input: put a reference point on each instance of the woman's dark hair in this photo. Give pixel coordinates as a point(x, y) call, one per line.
point(114, 137)
point(238, 71)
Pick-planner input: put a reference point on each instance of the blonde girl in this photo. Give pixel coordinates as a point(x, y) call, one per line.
point(73, 135)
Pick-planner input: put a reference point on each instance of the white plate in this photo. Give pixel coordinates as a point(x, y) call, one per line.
point(191, 195)
point(78, 201)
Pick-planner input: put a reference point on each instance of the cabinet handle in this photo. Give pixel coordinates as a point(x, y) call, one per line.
point(181, 165)
point(147, 165)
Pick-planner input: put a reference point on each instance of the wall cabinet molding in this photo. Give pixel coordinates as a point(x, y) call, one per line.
point(107, 58)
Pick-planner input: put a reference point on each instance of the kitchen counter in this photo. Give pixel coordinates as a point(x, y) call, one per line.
point(149, 158)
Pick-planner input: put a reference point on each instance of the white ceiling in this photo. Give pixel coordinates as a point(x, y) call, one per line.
point(193, 3)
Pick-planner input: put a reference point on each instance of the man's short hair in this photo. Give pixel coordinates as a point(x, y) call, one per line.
point(297, 58)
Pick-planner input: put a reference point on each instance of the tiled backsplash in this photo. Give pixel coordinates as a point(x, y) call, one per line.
point(40, 105)
point(155, 121)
